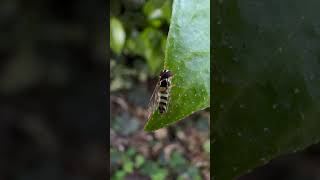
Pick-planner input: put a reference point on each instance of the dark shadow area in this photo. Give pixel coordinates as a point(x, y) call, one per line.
point(53, 95)
point(303, 165)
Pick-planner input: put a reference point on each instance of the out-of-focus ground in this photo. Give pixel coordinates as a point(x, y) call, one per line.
point(178, 152)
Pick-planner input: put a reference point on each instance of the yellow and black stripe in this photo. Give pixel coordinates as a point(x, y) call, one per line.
point(164, 90)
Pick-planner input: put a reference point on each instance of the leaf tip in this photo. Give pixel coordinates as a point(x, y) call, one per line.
point(147, 128)
point(150, 127)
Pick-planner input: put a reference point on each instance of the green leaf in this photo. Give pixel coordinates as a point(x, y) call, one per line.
point(139, 160)
point(119, 175)
point(154, 170)
point(157, 11)
point(128, 166)
point(135, 43)
point(152, 5)
point(148, 44)
point(131, 152)
point(160, 174)
point(191, 173)
point(187, 56)
point(117, 35)
point(206, 146)
point(151, 38)
point(166, 10)
point(115, 156)
point(267, 84)
point(177, 160)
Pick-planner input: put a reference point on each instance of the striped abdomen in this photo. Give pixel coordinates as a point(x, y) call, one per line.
point(164, 94)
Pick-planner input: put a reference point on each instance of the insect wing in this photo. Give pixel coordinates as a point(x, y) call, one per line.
point(153, 102)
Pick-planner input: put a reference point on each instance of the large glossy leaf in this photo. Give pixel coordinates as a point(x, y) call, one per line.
point(187, 56)
point(267, 84)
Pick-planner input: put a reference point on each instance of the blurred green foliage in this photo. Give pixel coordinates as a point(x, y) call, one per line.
point(206, 146)
point(131, 161)
point(140, 29)
point(117, 35)
point(123, 77)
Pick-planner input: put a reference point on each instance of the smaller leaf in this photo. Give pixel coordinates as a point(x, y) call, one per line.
point(152, 39)
point(139, 160)
point(152, 6)
point(192, 173)
point(115, 156)
point(135, 44)
point(128, 167)
point(206, 146)
point(158, 12)
point(160, 174)
point(119, 175)
point(178, 162)
point(166, 9)
point(131, 152)
point(150, 44)
point(117, 35)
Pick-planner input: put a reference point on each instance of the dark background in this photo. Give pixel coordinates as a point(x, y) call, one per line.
point(246, 37)
point(53, 89)
point(303, 165)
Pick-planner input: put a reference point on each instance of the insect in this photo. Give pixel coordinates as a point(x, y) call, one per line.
point(161, 95)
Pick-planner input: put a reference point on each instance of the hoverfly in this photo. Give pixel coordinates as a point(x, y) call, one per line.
point(161, 94)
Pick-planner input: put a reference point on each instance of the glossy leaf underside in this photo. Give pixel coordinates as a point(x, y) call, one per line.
point(267, 85)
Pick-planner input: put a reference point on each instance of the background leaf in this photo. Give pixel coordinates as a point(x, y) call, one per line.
point(187, 56)
point(117, 35)
point(267, 98)
point(149, 44)
point(156, 10)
